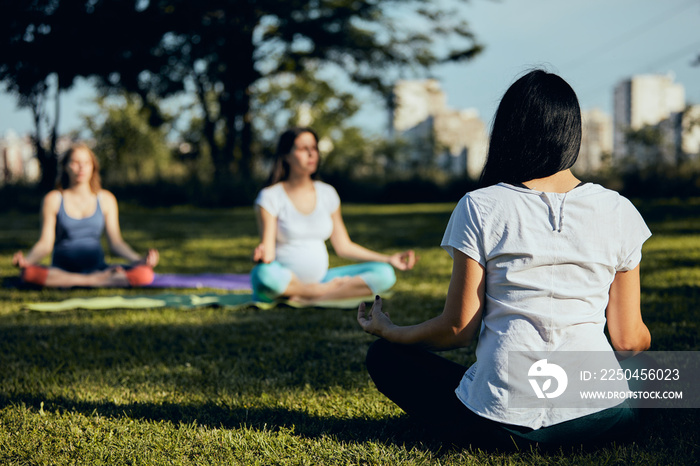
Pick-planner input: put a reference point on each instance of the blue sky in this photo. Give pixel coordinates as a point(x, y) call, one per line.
point(593, 44)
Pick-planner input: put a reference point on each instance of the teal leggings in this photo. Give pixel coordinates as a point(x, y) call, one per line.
point(270, 280)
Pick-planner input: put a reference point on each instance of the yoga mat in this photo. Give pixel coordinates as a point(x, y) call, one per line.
point(218, 281)
point(181, 301)
point(221, 281)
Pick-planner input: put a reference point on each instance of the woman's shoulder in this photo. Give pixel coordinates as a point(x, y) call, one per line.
point(495, 190)
point(593, 192)
point(498, 200)
point(107, 201)
point(272, 190)
point(487, 195)
point(271, 198)
point(327, 194)
point(53, 196)
point(325, 187)
point(106, 196)
point(52, 200)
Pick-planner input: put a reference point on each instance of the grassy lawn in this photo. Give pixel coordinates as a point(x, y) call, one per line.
point(283, 386)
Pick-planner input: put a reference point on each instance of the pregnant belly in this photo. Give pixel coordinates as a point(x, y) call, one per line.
point(308, 261)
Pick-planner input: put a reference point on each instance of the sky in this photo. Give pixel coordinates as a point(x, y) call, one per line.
point(592, 44)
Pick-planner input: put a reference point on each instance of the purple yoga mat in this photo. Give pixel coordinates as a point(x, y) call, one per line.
point(222, 281)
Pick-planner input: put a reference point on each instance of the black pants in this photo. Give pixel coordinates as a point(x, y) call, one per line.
point(423, 385)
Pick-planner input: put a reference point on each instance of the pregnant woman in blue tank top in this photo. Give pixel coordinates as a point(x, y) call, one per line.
point(74, 216)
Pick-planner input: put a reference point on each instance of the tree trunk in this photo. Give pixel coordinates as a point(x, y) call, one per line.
point(48, 159)
point(246, 162)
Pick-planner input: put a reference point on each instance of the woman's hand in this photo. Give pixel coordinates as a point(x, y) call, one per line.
point(403, 260)
point(375, 322)
point(18, 260)
point(261, 255)
point(152, 258)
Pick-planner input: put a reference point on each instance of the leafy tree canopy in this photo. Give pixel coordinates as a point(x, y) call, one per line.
point(220, 50)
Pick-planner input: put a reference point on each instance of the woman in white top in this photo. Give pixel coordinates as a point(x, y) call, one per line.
point(541, 262)
point(296, 215)
point(73, 218)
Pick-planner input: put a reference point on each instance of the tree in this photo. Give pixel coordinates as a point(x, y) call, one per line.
point(651, 147)
point(31, 77)
point(218, 51)
point(46, 45)
point(131, 151)
point(222, 51)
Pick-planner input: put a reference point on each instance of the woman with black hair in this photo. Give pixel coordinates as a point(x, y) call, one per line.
point(541, 262)
point(296, 214)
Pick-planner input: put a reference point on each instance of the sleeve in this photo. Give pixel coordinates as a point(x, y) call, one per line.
point(464, 232)
point(268, 200)
point(633, 233)
point(329, 196)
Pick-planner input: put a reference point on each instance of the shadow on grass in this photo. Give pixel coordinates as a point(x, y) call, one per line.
point(196, 352)
point(400, 429)
point(202, 360)
point(660, 430)
point(671, 211)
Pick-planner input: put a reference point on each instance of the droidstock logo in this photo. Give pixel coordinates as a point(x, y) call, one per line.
point(547, 371)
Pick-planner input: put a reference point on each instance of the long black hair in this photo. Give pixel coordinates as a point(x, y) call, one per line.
point(285, 145)
point(536, 132)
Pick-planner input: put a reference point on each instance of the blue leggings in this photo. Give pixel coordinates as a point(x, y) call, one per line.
point(270, 280)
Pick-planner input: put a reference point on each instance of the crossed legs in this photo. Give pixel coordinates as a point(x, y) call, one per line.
point(112, 277)
point(423, 385)
point(272, 281)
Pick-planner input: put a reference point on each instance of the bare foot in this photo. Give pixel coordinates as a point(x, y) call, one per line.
point(313, 292)
point(111, 278)
point(300, 301)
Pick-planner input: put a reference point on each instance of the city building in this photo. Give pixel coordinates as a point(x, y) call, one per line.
point(690, 127)
point(453, 140)
point(651, 107)
point(17, 160)
point(596, 141)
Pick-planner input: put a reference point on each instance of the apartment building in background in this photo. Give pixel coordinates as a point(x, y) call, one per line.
point(453, 140)
point(18, 162)
point(690, 131)
point(596, 141)
point(653, 104)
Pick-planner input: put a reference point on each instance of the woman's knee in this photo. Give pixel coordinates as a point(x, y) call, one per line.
point(269, 280)
point(383, 277)
point(140, 275)
point(35, 274)
point(378, 356)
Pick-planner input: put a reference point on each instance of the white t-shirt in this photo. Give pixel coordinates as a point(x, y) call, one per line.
point(550, 259)
point(301, 239)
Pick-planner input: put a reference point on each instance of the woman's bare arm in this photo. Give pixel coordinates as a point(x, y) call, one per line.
point(625, 325)
point(110, 209)
point(47, 238)
point(345, 247)
point(267, 226)
point(454, 328)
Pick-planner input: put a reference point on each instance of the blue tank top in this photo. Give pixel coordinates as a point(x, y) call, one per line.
point(78, 247)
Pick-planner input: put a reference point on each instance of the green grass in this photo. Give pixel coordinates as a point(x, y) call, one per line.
point(284, 386)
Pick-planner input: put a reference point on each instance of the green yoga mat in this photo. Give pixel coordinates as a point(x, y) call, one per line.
point(180, 301)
